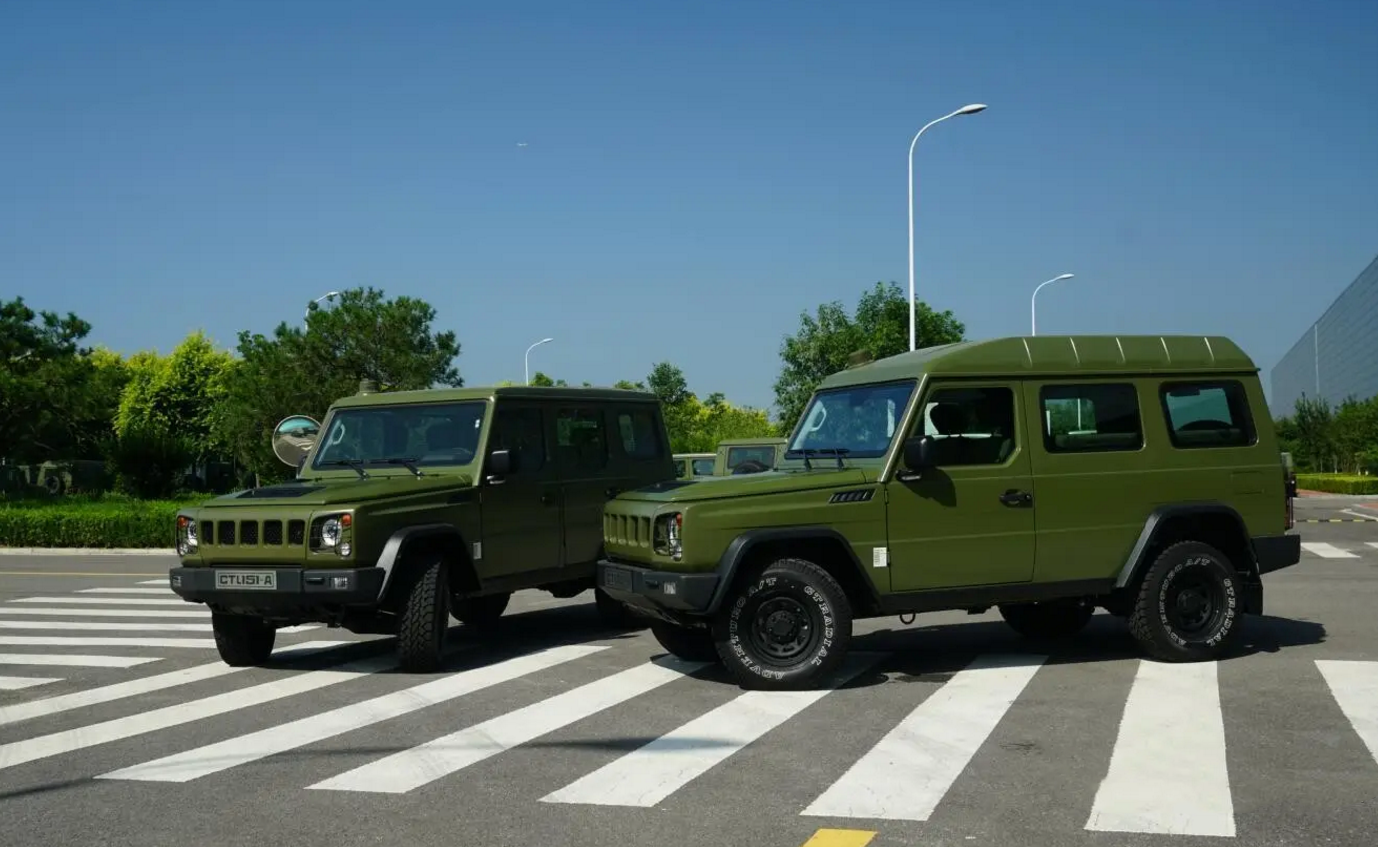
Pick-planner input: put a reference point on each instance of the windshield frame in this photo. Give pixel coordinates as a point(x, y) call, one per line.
point(908, 385)
point(376, 465)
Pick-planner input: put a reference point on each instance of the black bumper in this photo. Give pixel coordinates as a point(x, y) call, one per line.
point(1275, 552)
point(291, 588)
point(653, 590)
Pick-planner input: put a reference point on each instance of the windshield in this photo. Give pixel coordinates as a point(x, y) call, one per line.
point(433, 434)
point(859, 420)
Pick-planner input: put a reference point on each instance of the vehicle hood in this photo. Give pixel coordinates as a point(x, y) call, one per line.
point(748, 485)
point(332, 490)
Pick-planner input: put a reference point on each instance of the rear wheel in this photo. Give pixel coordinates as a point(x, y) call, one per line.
point(786, 627)
point(1187, 608)
point(424, 617)
point(482, 612)
point(241, 640)
point(691, 645)
point(1049, 619)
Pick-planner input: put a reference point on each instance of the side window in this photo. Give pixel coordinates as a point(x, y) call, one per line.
point(640, 439)
point(1207, 414)
point(520, 430)
point(1091, 418)
point(970, 426)
point(703, 467)
point(580, 440)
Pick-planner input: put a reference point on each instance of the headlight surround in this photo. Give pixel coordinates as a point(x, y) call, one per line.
point(186, 535)
point(333, 534)
point(669, 528)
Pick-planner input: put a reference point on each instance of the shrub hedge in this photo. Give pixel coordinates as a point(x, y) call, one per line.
point(97, 522)
point(1338, 483)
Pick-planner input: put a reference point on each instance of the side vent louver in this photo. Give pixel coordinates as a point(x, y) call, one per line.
point(856, 496)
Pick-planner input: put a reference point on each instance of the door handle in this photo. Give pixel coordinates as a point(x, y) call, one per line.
point(1015, 497)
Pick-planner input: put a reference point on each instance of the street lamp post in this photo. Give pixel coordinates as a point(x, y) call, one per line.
point(1033, 306)
point(527, 358)
point(965, 110)
point(327, 296)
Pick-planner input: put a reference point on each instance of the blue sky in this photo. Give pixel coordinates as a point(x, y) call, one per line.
point(695, 174)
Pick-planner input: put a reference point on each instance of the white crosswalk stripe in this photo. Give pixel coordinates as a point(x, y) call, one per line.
point(16, 683)
point(1326, 550)
point(1167, 771)
point(74, 660)
point(1355, 688)
point(126, 590)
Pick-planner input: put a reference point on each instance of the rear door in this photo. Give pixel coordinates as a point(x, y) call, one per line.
point(582, 459)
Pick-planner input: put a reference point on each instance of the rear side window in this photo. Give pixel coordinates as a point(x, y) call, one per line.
point(737, 455)
point(640, 436)
point(1207, 414)
point(1091, 418)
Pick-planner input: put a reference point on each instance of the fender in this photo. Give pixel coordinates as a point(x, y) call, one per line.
point(393, 558)
point(730, 560)
point(1137, 560)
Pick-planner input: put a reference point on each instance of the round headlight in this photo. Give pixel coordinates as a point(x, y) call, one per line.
point(330, 533)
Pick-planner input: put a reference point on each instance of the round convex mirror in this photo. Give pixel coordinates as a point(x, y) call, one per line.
point(293, 438)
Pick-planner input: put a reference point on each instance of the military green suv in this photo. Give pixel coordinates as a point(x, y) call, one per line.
point(1044, 476)
point(412, 506)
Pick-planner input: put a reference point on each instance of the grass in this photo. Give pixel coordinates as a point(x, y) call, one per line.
point(98, 521)
point(1338, 483)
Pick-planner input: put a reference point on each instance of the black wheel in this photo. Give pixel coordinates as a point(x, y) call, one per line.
point(1188, 604)
point(242, 641)
point(1049, 619)
point(424, 618)
point(615, 614)
point(691, 645)
point(482, 612)
point(750, 466)
point(786, 627)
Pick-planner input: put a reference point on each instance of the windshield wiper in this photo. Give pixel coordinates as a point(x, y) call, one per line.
point(357, 465)
point(839, 452)
point(406, 461)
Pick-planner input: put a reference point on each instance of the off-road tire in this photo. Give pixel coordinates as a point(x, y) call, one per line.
point(424, 617)
point(241, 640)
point(787, 589)
point(1156, 621)
point(615, 614)
point(480, 613)
point(1049, 619)
point(691, 645)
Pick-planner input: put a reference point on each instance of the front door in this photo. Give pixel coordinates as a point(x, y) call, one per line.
point(522, 521)
point(970, 520)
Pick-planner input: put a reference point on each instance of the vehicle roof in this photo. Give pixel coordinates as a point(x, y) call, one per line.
point(738, 442)
point(523, 392)
point(1056, 355)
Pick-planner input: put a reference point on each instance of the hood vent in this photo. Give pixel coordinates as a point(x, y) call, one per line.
point(287, 490)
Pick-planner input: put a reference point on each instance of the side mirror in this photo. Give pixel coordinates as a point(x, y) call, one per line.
point(499, 464)
point(918, 453)
point(293, 438)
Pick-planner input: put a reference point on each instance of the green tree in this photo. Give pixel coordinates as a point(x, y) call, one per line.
point(828, 338)
point(303, 370)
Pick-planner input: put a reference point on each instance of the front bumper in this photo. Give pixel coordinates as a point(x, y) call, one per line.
point(277, 588)
point(655, 591)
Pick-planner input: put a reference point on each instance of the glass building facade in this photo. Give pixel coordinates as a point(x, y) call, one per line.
point(1337, 356)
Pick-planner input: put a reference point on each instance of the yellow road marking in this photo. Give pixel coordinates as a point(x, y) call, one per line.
point(840, 838)
point(76, 573)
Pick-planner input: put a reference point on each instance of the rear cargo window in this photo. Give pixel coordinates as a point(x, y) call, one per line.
point(1207, 414)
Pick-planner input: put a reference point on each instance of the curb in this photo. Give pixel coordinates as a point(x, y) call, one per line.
point(86, 551)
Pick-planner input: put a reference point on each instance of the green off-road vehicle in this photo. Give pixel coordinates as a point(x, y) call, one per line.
point(1045, 476)
point(415, 505)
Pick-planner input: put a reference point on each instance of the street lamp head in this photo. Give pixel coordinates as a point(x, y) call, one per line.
point(1062, 277)
point(544, 340)
point(972, 109)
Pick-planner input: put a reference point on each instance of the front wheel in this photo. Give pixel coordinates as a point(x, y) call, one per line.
point(786, 627)
point(424, 618)
point(242, 641)
point(1187, 609)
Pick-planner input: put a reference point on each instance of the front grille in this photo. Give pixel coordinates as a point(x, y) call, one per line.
point(272, 532)
point(207, 532)
point(248, 533)
point(252, 533)
point(296, 532)
point(627, 530)
point(226, 533)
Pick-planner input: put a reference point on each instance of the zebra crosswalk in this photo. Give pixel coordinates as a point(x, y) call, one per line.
point(1338, 550)
point(1167, 770)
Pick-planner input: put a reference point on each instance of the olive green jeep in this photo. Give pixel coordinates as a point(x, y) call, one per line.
point(416, 505)
point(1044, 476)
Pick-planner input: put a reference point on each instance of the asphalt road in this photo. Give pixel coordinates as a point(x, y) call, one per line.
point(569, 735)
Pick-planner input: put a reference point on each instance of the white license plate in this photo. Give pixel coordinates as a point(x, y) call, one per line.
point(246, 580)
